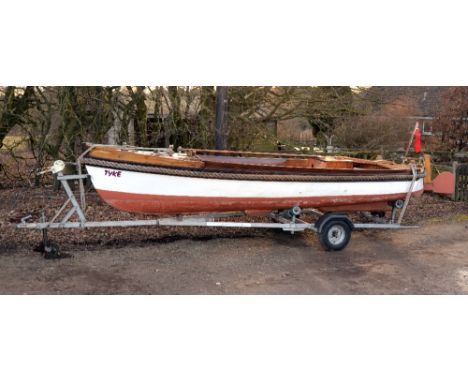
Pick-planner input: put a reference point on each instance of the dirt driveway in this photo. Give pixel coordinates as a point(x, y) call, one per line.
point(430, 260)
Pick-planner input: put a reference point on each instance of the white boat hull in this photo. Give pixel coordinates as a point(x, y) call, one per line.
point(156, 193)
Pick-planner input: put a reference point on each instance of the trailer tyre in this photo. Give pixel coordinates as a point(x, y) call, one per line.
point(335, 235)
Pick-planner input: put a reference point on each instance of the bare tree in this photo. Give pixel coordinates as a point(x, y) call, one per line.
point(452, 119)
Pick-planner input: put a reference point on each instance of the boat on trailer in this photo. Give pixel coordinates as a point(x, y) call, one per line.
point(164, 181)
point(203, 187)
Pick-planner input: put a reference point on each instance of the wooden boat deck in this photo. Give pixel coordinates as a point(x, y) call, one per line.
point(237, 161)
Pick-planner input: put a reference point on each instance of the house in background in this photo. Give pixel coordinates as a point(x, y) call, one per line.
point(428, 102)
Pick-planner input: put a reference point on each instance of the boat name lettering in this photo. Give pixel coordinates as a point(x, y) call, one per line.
point(113, 173)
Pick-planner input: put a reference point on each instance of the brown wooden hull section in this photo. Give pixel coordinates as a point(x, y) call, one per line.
point(161, 204)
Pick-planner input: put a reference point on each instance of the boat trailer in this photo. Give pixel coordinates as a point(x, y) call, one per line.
point(334, 229)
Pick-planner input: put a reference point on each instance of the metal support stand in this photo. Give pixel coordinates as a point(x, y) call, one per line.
point(50, 250)
point(408, 195)
point(45, 238)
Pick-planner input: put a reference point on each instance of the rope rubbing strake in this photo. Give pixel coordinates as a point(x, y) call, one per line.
point(245, 176)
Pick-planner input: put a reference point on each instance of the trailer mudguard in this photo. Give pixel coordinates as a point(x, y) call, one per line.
point(325, 218)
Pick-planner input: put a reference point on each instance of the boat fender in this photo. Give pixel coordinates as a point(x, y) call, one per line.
point(325, 218)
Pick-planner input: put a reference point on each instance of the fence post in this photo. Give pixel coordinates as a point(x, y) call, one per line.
point(455, 174)
point(427, 168)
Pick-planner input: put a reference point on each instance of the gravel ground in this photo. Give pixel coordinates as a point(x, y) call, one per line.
point(430, 260)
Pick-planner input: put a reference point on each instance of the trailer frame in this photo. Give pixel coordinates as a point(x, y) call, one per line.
point(286, 220)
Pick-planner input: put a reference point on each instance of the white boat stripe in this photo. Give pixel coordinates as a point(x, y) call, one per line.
point(155, 184)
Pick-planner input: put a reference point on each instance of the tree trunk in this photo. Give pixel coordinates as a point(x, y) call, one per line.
point(221, 108)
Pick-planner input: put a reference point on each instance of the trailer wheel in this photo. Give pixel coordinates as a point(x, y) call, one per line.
point(335, 235)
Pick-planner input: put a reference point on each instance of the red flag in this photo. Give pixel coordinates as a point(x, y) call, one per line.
point(417, 140)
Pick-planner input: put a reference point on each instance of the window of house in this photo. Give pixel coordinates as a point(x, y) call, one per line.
point(427, 127)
